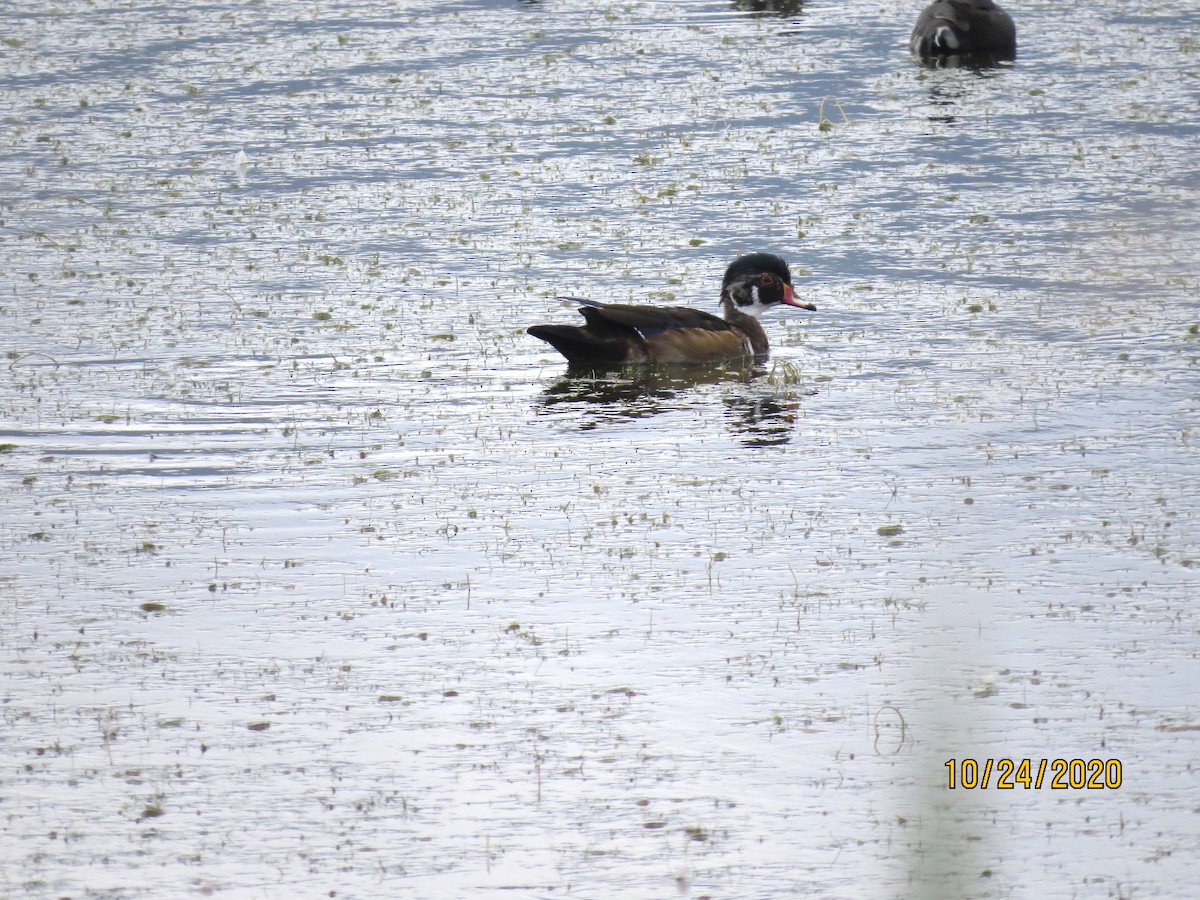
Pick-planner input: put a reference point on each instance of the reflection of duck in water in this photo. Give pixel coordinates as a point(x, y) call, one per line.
point(761, 421)
point(977, 29)
point(594, 398)
point(618, 333)
point(640, 391)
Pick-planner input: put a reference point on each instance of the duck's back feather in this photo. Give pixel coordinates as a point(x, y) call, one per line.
point(648, 320)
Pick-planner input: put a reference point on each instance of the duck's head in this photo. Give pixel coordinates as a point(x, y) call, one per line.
point(757, 282)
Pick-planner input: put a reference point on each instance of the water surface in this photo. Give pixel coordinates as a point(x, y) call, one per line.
point(319, 575)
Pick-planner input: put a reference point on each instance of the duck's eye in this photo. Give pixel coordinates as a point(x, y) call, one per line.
point(765, 280)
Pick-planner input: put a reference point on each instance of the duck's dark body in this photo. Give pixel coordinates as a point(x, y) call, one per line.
point(618, 333)
point(964, 28)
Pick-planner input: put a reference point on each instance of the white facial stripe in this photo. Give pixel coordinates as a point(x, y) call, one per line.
point(755, 306)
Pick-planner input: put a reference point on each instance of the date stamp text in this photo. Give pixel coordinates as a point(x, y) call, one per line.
point(1055, 774)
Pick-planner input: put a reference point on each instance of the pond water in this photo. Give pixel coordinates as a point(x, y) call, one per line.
point(320, 577)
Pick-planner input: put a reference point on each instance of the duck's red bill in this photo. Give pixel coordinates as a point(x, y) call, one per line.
point(790, 299)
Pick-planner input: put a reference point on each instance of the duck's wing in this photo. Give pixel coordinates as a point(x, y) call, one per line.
point(667, 334)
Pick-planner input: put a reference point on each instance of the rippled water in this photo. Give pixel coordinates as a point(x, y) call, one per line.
point(320, 576)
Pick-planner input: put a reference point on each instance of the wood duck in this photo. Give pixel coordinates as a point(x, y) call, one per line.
point(966, 28)
point(618, 333)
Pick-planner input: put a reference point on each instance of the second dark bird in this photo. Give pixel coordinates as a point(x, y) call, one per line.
point(964, 28)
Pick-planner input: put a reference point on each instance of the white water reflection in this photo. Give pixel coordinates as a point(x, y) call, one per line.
point(320, 575)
